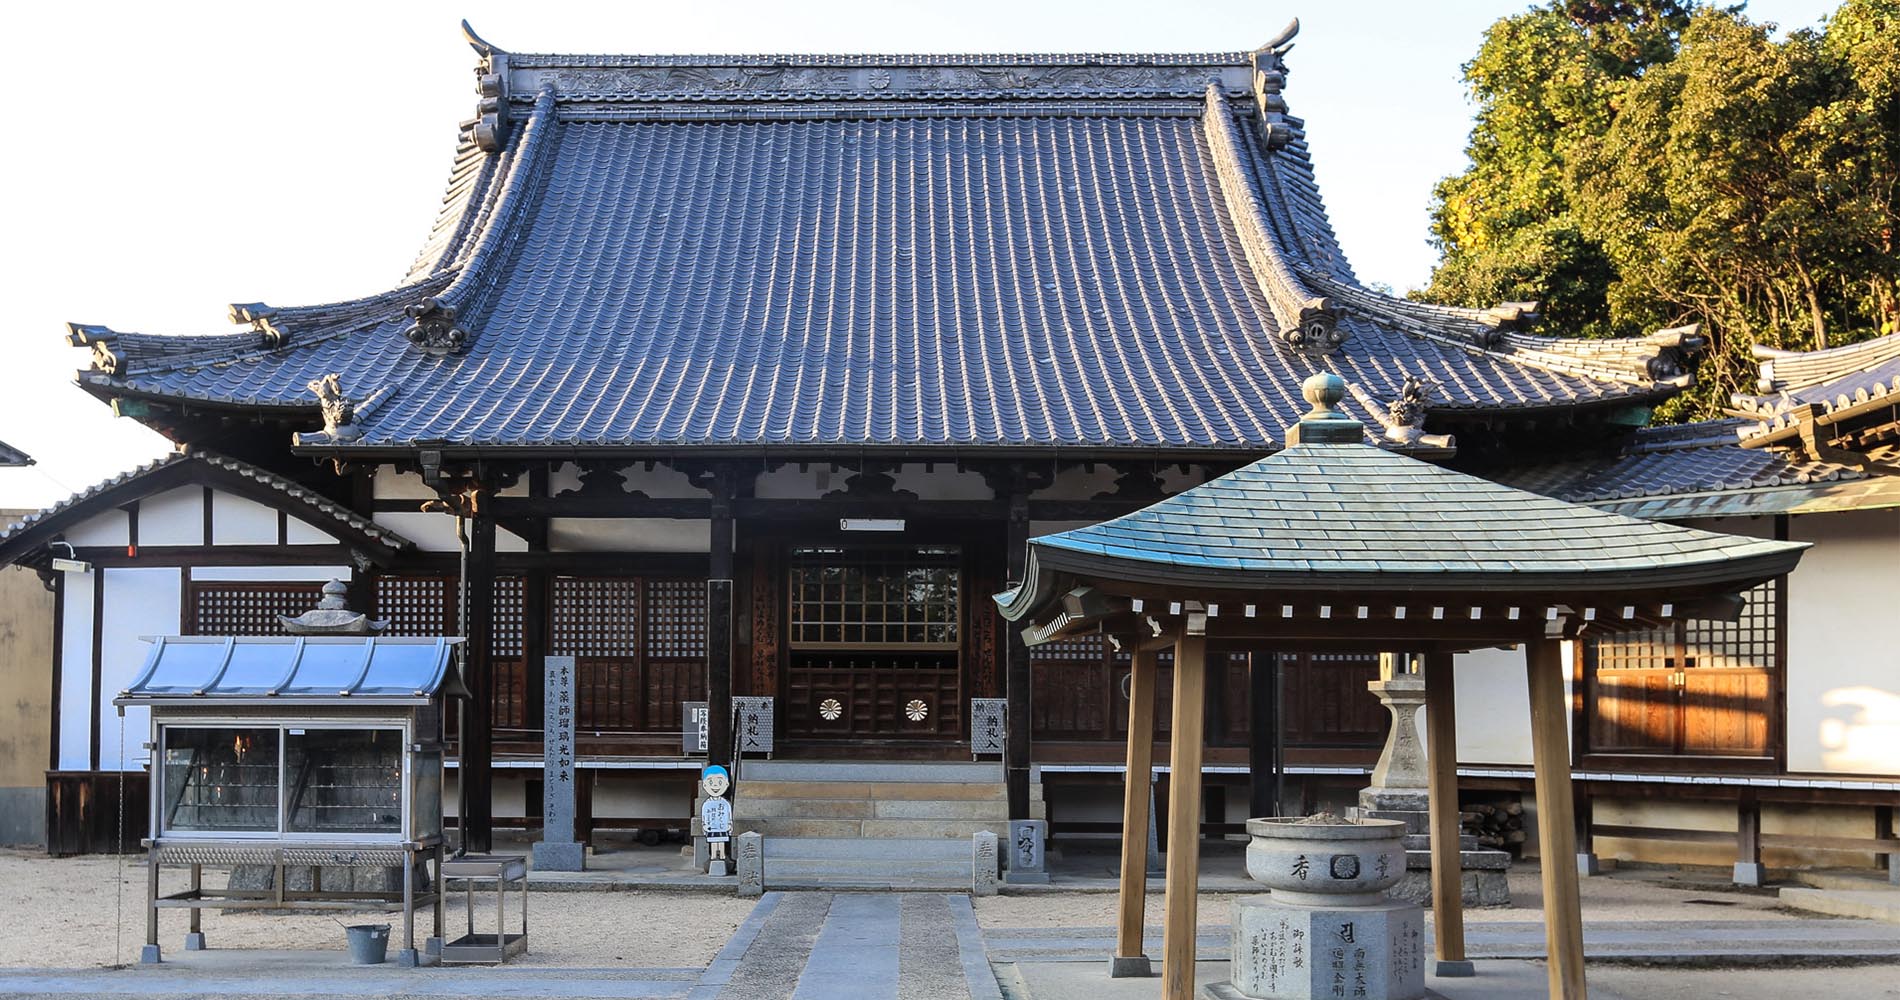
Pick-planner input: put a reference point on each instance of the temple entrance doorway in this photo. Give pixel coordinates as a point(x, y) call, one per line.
point(874, 644)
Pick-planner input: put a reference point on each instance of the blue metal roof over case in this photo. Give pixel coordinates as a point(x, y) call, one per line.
point(926, 252)
point(301, 668)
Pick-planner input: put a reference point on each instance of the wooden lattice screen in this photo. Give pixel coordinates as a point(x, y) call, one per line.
point(246, 607)
point(639, 647)
point(1696, 687)
point(430, 606)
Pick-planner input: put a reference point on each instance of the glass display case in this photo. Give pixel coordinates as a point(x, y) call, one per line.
point(297, 752)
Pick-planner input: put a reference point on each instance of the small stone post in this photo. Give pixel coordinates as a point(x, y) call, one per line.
point(983, 858)
point(1028, 840)
point(557, 850)
point(751, 865)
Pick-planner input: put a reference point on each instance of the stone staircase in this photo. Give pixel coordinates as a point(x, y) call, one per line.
point(836, 825)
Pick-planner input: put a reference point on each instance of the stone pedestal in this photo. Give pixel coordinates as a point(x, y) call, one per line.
point(1028, 843)
point(1400, 790)
point(1289, 952)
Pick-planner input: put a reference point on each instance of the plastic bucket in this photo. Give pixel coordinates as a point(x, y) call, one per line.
point(369, 943)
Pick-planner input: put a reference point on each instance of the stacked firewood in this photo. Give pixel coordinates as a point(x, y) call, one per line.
point(1499, 826)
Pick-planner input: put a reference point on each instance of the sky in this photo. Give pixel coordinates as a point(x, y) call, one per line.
point(168, 159)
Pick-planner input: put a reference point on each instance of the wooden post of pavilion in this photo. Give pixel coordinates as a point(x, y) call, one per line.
point(476, 757)
point(1556, 837)
point(1131, 958)
point(1441, 735)
point(1180, 921)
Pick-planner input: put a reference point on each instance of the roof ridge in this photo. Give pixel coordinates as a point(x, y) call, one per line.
point(433, 317)
point(1307, 321)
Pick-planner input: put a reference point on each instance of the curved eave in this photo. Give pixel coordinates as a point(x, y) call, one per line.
point(1049, 569)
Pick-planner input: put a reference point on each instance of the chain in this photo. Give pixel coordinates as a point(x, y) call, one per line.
point(118, 920)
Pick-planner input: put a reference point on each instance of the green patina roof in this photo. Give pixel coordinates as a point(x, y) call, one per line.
point(1347, 514)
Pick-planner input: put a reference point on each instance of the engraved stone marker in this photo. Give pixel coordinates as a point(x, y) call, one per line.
point(1027, 841)
point(983, 858)
point(751, 864)
point(557, 850)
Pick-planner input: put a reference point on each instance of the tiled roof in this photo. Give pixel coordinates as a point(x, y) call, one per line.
point(907, 251)
point(1347, 516)
point(1699, 470)
point(321, 511)
point(1821, 387)
point(11, 456)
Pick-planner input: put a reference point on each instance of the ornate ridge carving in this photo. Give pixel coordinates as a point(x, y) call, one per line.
point(339, 413)
point(1403, 417)
point(635, 80)
point(433, 328)
point(545, 60)
point(491, 84)
point(1269, 79)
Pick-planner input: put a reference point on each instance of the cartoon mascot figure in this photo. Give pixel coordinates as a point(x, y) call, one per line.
point(715, 817)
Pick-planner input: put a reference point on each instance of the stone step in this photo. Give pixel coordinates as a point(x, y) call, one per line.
point(779, 869)
point(939, 829)
point(959, 772)
point(888, 849)
point(769, 808)
point(1869, 904)
point(1483, 859)
point(1421, 842)
point(843, 884)
point(769, 788)
point(1850, 879)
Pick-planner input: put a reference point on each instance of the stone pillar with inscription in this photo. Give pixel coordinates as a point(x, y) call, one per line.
point(557, 850)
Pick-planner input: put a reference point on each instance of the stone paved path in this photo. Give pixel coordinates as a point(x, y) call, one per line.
point(854, 946)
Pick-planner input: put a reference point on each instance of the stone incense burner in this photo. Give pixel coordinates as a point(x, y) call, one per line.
point(1326, 860)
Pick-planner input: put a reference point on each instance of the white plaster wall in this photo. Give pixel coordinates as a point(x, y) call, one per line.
point(239, 520)
point(296, 532)
point(110, 528)
point(1494, 707)
point(75, 672)
point(789, 482)
point(1078, 483)
point(628, 534)
point(942, 481)
point(174, 517)
point(141, 601)
point(388, 484)
point(1843, 671)
point(286, 574)
point(436, 532)
point(663, 482)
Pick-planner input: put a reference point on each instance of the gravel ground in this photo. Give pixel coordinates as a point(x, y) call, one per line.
point(65, 913)
point(1619, 897)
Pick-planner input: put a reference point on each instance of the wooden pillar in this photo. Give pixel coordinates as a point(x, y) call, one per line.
point(719, 597)
point(1130, 959)
point(1263, 735)
point(1016, 679)
point(1184, 815)
point(477, 754)
point(1441, 735)
point(1556, 833)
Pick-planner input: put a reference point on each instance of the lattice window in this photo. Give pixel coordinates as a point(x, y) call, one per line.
point(676, 619)
point(1748, 641)
point(417, 605)
point(845, 598)
point(597, 617)
point(1084, 650)
point(247, 608)
point(509, 616)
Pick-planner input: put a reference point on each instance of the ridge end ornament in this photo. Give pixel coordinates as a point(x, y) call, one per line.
point(339, 413)
point(432, 327)
point(1316, 328)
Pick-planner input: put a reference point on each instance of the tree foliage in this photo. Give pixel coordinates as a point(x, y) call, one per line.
point(1640, 163)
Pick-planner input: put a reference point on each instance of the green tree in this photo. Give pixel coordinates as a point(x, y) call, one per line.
point(1639, 165)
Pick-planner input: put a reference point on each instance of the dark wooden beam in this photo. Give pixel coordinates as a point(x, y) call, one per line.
point(476, 773)
point(1263, 734)
point(719, 630)
point(1016, 674)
